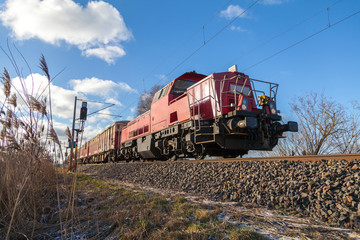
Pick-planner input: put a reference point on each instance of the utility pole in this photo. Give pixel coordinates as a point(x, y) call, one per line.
point(74, 144)
point(72, 154)
point(82, 119)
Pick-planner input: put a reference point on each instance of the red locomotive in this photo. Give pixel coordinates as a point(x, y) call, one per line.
point(222, 114)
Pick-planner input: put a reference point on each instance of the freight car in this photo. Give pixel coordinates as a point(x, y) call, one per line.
point(223, 114)
point(103, 147)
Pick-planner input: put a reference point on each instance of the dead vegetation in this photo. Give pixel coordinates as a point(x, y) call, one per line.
point(25, 191)
point(325, 127)
point(28, 181)
point(107, 211)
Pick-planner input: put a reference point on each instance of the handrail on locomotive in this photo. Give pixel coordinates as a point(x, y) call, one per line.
point(273, 88)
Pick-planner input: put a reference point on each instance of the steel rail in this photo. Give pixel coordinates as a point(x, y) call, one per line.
point(334, 157)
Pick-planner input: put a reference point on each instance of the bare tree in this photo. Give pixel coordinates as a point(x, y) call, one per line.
point(146, 98)
point(320, 119)
point(348, 140)
point(325, 127)
point(288, 146)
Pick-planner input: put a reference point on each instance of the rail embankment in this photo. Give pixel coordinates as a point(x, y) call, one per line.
point(324, 190)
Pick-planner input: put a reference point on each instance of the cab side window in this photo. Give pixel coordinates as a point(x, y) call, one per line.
point(161, 93)
point(180, 86)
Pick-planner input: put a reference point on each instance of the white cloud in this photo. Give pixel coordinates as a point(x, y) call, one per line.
point(107, 53)
point(238, 29)
point(114, 101)
point(96, 86)
point(96, 29)
point(63, 99)
point(232, 11)
point(60, 130)
point(103, 117)
point(36, 84)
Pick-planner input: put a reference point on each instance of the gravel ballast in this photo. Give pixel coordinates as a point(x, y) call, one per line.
point(325, 190)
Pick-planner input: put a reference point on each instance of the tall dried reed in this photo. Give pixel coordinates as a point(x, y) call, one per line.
point(28, 181)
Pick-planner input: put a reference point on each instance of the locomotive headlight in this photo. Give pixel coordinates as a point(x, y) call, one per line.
point(272, 107)
point(245, 103)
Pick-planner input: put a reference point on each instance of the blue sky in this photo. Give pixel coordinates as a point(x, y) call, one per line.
point(113, 50)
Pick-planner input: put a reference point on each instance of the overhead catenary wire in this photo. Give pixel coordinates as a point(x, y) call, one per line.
point(266, 42)
point(101, 109)
point(86, 100)
point(202, 28)
point(210, 39)
point(204, 44)
point(107, 114)
point(289, 29)
point(302, 40)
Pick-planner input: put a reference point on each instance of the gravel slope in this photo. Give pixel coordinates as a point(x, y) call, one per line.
point(325, 190)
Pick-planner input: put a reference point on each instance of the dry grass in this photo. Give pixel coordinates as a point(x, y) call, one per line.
point(139, 215)
point(204, 215)
point(29, 191)
point(245, 234)
point(25, 191)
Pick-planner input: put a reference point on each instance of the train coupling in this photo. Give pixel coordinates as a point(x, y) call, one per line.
point(291, 126)
point(248, 122)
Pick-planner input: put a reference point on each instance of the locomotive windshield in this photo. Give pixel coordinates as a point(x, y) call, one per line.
point(238, 88)
point(180, 86)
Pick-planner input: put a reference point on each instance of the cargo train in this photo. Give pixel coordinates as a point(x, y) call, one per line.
point(224, 114)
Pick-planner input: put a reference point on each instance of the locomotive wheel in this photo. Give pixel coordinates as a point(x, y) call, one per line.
point(200, 157)
point(233, 154)
point(173, 158)
point(200, 153)
point(127, 157)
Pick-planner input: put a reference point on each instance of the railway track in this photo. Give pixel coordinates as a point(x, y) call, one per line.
point(335, 157)
point(347, 157)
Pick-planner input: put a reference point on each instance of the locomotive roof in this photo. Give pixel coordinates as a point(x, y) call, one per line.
point(192, 75)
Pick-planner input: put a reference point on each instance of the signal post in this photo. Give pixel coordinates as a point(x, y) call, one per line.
point(74, 144)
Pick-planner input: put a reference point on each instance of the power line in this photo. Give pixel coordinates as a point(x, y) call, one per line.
point(214, 36)
point(304, 39)
point(87, 100)
point(188, 39)
point(101, 109)
point(177, 49)
point(291, 28)
point(182, 44)
point(113, 115)
point(205, 42)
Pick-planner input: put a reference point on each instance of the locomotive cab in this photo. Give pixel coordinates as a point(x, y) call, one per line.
point(169, 104)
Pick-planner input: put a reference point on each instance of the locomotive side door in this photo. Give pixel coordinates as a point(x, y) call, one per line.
point(159, 110)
